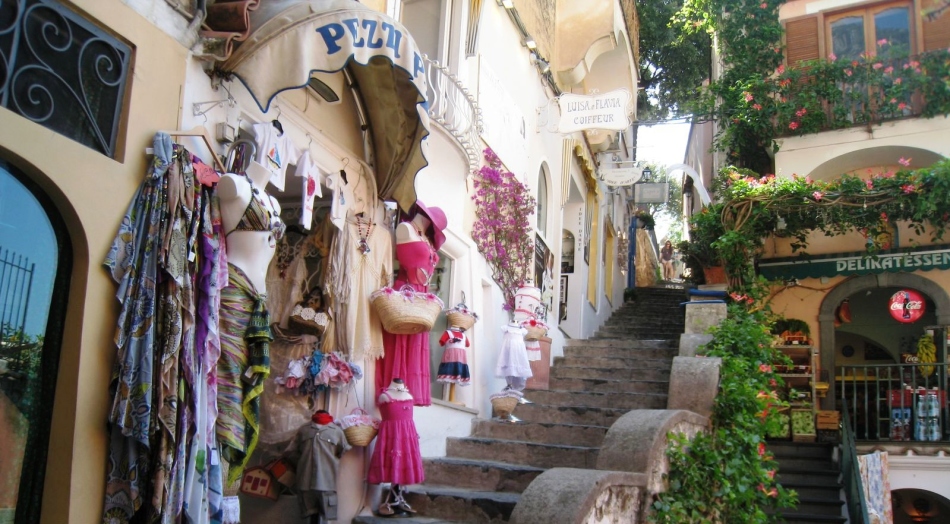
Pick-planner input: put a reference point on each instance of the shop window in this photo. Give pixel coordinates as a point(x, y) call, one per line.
point(542, 210)
point(441, 285)
point(65, 73)
point(567, 252)
point(33, 270)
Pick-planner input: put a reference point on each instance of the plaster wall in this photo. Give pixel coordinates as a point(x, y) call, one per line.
point(919, 472)
point(92, 193)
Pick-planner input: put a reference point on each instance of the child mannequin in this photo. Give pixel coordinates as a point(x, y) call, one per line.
point(396, 457)
point(454, 366)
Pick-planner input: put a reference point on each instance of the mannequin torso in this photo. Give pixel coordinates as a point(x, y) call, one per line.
point(397, 390)
point(250, 251)
point(416, 264)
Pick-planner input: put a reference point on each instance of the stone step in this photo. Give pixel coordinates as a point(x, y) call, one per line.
point(639, 333)
point(587, 352)
point(810, 506)
point(786, 449)
point(450, 504)
point(584, 416)
point(567, 434)
point(812, 491)
point(596, 399)
point(822, 477)
point(651, 343)
point(371, 519)
point(642, 381)
point(650, 359)
point(596, 373)
point(821, 465)
point(792, 518)
point(479, 475)
point(524, 453)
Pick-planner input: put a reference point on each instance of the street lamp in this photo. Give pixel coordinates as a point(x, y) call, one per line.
point(646, 174)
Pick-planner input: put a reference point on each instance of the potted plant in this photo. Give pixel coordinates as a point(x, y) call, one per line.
point(700, 253)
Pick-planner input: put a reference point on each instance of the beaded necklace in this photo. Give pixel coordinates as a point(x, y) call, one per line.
point(363, 246)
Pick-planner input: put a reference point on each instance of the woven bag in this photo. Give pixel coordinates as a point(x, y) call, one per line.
point(459, 320)
point(503, 406)
point(307, 317)
point(359, 427)
point(406, 312)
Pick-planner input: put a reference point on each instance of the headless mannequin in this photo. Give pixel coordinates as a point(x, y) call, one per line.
point(395, 504)
point(410, 231)
point(452, 385)
point(251, 251)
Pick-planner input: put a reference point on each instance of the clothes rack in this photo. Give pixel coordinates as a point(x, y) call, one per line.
point(202, 133)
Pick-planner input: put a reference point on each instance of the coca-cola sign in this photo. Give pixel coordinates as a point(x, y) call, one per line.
point(907, 306)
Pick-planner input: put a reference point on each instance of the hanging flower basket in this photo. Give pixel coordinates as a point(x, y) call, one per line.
point(406, 312)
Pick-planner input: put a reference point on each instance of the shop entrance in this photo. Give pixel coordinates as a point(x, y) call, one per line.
point(881, 354)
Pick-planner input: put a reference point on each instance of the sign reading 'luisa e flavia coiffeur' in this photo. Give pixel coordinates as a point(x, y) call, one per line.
point(608, 111)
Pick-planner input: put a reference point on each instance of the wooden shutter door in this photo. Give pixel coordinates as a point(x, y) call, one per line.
point(936, 30)
point(801, 40)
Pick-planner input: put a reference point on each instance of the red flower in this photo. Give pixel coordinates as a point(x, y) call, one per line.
point(756, 107)
point(765, 368)
point(761, 449)
point(793, 125)
point(869, 183)
point(773, 382)
point(904, 161)
point(908, 188)
point(764, 5)
point(817, 195)
point(902, 106)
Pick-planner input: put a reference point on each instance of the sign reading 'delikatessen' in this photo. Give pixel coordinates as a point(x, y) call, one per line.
point(605, 111)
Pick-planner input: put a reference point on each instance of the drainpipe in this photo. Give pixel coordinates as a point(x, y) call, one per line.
point(631, 254)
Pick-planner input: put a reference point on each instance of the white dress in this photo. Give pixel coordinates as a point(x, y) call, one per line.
point(513, 358)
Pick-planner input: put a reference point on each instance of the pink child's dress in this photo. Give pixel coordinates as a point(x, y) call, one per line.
point(407, 356)
point(396, 457)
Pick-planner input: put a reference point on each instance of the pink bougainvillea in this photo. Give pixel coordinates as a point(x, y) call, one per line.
point(502, 231)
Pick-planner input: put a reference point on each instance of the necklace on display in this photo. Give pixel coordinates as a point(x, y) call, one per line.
point(401, 388)
point(363, 246)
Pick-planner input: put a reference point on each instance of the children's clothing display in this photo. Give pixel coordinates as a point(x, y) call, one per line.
point(396, 457)
point(274, 152)
point(317, 450)
point(312, 179)
point(533, 347)
point(454, 366)
point(513, 362)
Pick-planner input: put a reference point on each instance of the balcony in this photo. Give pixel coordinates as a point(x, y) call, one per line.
point(883, 409)
point(826, 95)
point(454, 108)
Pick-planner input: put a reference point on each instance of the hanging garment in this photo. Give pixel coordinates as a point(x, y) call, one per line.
point(312, 180)
point(340, 203)
point(352, 276)
point(396, 457)
point(513, 357)
point(533, 347)
point(242, 368)
point(454, 366)
point(274, 152)
point(407, 356)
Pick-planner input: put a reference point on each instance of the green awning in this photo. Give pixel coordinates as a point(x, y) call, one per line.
point(903, 260)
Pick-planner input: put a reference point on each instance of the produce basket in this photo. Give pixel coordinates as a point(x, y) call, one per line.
point(406, 312)
point(784, 430)
point(803, 426)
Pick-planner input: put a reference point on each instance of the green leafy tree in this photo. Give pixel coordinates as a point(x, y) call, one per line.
point(673, 63)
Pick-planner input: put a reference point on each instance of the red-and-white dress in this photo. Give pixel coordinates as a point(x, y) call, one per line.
point(454, 366)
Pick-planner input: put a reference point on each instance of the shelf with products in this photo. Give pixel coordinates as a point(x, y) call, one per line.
point(800, 376)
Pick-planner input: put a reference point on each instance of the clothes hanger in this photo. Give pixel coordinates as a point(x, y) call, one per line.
point(276, 122)
point(202, 133)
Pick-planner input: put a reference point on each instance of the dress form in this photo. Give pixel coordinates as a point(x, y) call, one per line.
point(395, 504)
point(251, 251)
point(410, 231)
point(397, 390)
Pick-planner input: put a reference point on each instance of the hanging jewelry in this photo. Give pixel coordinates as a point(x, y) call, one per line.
point(363, 246)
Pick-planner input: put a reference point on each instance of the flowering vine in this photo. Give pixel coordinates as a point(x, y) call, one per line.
point(502, 231)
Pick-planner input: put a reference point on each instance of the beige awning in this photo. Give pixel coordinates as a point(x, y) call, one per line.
point(291, 39)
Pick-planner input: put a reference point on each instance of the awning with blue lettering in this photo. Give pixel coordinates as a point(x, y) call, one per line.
point(291, 39)
point(906, 260)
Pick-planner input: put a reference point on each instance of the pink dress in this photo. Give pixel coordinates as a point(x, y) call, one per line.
point(407, 356)
point(396, 457)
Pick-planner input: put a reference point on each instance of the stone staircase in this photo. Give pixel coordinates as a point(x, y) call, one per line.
point(812, 471)
point(625, 366)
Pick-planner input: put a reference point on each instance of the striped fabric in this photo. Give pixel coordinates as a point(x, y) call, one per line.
point(245, 348)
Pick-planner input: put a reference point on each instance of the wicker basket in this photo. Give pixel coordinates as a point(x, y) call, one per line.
point(535, 332)
point(503, 406)
point(360, 435)
point(406, 312)
point(459, 320)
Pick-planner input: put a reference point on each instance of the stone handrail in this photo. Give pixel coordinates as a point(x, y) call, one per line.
point(453, 107)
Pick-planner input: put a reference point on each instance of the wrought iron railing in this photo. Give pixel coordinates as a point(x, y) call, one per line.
point(854, 491)
point(16, 283)
point(890, 402)
point(453, 107)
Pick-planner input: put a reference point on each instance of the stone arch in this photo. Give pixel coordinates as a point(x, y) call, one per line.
point(849, 287)
point(872, 156)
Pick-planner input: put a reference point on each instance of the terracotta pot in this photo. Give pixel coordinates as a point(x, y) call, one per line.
point(715, 275)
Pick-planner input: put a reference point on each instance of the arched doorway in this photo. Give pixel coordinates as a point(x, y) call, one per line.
point(867, 350)
point(919, 505)
point(35, 263)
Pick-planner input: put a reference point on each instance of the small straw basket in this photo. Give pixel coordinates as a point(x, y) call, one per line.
point(503, 406)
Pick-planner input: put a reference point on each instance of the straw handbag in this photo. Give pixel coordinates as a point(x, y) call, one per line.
point(406, 312)
point(461, 316)
point(536, 329)
point(503, 406)
point(359, 427)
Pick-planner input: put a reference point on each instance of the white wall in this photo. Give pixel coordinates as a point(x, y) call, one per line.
point(918, 472)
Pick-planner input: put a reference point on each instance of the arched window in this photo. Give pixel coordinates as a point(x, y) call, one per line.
point(34, 280)
point(542, 210)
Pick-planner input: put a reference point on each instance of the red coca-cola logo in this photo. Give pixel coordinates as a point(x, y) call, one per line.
point(907, 306)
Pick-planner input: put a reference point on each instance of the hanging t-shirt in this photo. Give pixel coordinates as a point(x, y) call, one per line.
point(311, 178)
point(274, 152)
point(340, 203)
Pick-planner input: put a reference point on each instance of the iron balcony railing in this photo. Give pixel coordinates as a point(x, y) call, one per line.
point(895, 402)
point(453, 107)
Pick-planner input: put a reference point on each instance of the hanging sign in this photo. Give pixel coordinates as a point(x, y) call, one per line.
point(605, 111)
point(906, 306)
point(623, 176)
point(925, 258)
